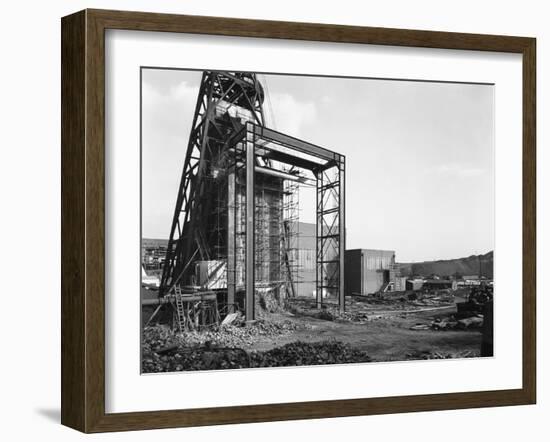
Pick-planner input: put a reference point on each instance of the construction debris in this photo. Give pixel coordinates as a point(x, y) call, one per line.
point(451, 323)
point(370, 308)
point(235, 335)
point(473, 322)
point(231, 318)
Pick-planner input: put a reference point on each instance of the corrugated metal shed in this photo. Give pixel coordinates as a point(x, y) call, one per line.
point(367, 270)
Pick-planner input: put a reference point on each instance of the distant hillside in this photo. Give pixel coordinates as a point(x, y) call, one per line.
point(464, 266)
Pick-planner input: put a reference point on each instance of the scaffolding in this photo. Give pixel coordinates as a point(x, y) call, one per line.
point(237, 210)
point(290, 238)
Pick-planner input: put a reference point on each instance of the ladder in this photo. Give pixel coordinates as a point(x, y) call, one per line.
point(180, 311)
point(195, 310)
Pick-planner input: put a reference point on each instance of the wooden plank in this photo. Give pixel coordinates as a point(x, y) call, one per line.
point(529, 222)
point(193, 24)
point(73, 251)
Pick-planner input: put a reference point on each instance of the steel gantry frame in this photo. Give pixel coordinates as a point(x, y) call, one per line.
point(327, 174)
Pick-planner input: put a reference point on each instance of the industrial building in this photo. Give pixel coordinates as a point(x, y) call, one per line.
point(235, 233)
point(153, 254)
point(371, 271)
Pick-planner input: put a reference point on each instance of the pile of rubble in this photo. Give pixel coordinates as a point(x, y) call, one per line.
point(209, 357)
point(239, 335)
point(173, 358)
point(235, 334)
point(303, 353)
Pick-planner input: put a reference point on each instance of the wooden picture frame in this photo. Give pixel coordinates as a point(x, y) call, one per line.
point(83, 220)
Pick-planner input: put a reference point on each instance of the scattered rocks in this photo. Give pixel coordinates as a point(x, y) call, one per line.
point(302, 353)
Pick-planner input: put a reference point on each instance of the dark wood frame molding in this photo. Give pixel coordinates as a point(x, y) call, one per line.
point(83, 216)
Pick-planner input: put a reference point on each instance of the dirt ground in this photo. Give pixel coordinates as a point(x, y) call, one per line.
point(385, 339)
point(390, 329)
point(380, 327)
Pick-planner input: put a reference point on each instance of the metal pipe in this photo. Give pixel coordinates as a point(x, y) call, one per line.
point(187, 297)
point(155, 301)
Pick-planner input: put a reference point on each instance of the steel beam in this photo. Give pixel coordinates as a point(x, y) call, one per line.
point(295, 143)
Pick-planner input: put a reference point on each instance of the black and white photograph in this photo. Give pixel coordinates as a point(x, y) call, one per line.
point(268, 221)
point(299, 220)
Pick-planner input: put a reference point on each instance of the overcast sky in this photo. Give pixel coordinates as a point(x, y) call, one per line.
point(420, 156)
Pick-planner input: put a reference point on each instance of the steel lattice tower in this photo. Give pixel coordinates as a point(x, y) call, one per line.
point(225, 101)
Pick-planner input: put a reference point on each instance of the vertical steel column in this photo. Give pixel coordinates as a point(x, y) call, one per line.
point(250, 277)
point(231, 268)
point(316, 240)
point(319, 240)
point(342, 230)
